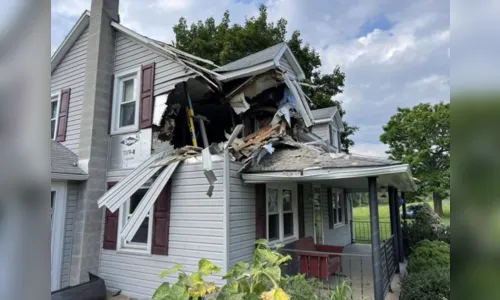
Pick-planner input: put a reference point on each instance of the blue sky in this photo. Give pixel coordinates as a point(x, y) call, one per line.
point(394, 53)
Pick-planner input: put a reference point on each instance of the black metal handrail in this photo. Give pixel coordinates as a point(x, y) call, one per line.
point(388, 262)
point(362, 231)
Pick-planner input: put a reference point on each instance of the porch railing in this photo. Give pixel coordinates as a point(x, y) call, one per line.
point(362, 231)
point(388, 263)
point(355, 269)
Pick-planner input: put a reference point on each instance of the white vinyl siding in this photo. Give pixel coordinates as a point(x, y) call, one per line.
point(196, 231)
point(241, 219)
point(131, 54)
point(322, 131)
point(70, 73)
point(286, 65)
point(68, 232)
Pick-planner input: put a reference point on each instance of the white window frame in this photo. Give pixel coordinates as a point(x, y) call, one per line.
point(334, 136)
point(336, 211)
point(121, 77)
point(131, 247)
point(282, 238)
point(58, 96)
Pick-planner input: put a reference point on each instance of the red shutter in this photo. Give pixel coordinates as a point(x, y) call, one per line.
point(300, 200)
point(260, 211)
point(62, 123)
point(161, 221)
point(147, 85)
point(110, 227)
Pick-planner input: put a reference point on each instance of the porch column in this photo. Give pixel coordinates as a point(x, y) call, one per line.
point(375, 237)
point(394, 212)
point(398, 227)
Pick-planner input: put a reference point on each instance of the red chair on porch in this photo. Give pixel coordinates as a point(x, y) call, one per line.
point(316, 264)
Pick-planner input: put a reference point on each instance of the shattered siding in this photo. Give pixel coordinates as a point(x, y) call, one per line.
point(241, 219)
point(69, 225)
point(196, 231)
point(70, 73)
point(130, 54)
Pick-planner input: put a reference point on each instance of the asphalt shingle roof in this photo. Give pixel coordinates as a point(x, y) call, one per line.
point(291, 159)
point(323, 113)
point(63, 160)
point(252, 59)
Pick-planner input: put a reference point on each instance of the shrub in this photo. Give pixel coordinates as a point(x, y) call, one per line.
point(427, 226)
point(432, 284)
point(300, 288)
point(429, 255)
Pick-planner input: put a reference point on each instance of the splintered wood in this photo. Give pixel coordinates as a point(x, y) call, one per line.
point(248, 145)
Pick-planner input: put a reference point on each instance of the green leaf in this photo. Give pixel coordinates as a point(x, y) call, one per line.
point(237, 270)
point(162, 291)
point(207, 267)
point(172, 270)
point(274, 273)
point(178, 292)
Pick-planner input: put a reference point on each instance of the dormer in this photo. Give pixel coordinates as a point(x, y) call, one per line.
point(328, 125)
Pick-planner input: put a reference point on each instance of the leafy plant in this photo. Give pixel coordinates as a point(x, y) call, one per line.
point(429, 255)
point(188, 287)
point(427, 226)
point(261, 279)
point(298, 287)
point(432, 284)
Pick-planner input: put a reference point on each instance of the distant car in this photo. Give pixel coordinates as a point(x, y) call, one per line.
point(412, 210)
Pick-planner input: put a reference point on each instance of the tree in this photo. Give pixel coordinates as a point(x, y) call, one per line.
point(222, 43)
point(420, 136)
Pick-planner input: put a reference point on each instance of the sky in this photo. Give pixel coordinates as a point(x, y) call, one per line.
point(394, 53)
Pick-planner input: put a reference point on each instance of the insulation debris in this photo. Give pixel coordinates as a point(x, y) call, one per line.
point(239, 104)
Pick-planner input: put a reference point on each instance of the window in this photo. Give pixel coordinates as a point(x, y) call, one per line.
point(54, 115)
point(334, 137)
point(282, 216)
point(336, 207)
point(142, 239)
point(125, 117)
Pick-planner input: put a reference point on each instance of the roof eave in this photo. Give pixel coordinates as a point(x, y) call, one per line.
point(245, 72)
point(68, 176)
point(319, 174)
point(69, 40)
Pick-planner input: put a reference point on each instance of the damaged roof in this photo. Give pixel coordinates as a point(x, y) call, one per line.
point(64, 163)
point(298, 159)
point(254, 59)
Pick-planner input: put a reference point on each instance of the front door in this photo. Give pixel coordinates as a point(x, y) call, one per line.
point(317, 215)
point(58, 213)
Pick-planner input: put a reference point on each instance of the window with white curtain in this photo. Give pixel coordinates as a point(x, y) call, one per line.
point(282, 214)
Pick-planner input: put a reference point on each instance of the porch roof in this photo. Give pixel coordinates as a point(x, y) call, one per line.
point(343, 170)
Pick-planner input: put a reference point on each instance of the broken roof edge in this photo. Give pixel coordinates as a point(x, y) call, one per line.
point(314, 174)
point(75, 32)
point(285, 50)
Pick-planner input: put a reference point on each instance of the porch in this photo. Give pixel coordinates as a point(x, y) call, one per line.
point(324, 183)
point(356, 269)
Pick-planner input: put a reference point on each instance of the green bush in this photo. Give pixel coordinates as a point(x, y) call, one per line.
point(427, 226)
point(432, 284)
point(429, 255)
point(300, 288)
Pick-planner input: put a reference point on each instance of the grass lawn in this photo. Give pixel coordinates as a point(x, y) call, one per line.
point(362, 216)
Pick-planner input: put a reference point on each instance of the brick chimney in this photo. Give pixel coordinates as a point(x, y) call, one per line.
point(94, 138)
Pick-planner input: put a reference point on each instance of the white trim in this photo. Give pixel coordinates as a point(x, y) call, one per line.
point(311, 174)
point(58, 95)
point(69, 40)
point(134, 73)
point(320, 213)
point(285, 50)
point(257, 69)
point(281, 238)
point(57, 235)
point(130, 247)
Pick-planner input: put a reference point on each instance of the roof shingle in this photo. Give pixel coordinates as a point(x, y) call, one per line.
point(254, 59)
point(63, 160)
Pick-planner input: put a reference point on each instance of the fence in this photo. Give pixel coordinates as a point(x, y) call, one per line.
point(362, 231)
point(332, 268)
point(388, 263)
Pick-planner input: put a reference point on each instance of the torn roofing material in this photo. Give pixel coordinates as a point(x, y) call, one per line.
point(308, 156)
point(64, 163)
